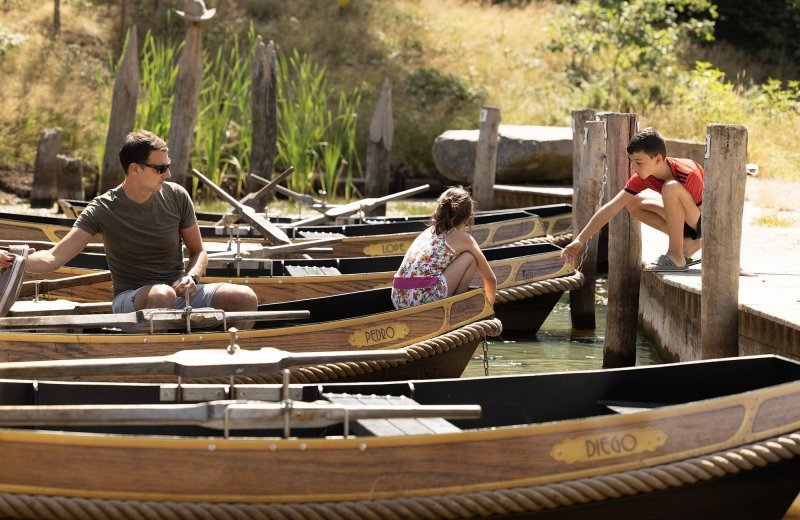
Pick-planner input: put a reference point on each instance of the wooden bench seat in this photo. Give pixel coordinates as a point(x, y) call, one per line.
point(391, 427)
point(302, 270)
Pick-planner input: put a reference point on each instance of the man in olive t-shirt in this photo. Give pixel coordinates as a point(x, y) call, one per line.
point(144, 222)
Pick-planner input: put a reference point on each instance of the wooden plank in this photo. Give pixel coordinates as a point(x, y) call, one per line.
point(392, 427)
point(158, 317)
point(311, 270)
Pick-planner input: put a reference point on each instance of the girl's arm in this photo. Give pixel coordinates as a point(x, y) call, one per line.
point(464, 242)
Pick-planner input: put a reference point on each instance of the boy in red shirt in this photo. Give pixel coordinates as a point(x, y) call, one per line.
point(676, 213)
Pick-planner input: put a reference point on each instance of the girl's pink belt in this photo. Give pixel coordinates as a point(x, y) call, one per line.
point(414, 282)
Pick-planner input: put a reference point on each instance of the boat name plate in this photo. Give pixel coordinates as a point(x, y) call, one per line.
point(608, 445)
point(378, 334)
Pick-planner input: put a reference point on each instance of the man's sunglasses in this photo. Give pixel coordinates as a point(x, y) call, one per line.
point(160, 169)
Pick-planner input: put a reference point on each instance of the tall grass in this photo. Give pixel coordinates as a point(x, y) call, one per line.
point(319, 143)
point(223, 136)
point(159, 70)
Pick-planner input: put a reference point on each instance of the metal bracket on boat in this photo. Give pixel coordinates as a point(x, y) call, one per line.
point(185, 313)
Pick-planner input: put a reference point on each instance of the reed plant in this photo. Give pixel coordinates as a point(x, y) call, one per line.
point(319, 143)
point(159, 70)
point(223, 136)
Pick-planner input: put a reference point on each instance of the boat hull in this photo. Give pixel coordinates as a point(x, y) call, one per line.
point(334, 327)
point(720, 439)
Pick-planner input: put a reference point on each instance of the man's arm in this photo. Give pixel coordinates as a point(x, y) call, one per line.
point(51, 259)
point(601, 217)
point(198, 258)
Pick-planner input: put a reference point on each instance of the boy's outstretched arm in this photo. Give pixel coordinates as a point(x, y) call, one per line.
point(602, 216)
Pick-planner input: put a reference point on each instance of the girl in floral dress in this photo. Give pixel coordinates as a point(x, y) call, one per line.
point(442, 260)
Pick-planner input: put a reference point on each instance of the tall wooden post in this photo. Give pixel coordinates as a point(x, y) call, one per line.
point(70, 177)
point(586, 200)
point(187, 91)
point(123, 113)
point(723, 205)
point(486, 158)
point(624, 250)
point(45, 169)
point(379, 149)
point(265, 120)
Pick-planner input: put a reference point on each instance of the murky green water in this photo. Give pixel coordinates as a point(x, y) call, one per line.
point(555, 348)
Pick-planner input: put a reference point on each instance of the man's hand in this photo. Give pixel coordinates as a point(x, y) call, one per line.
point(185, 287)
point(572, 252)
point(6, 259)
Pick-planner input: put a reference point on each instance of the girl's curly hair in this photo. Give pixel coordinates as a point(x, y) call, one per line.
point(454, 207)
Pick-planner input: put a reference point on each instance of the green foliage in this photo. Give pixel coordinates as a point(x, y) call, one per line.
point(319, 143)
point(764, 30)
point(159, 70)
point(223, 136)
point(623, 53)
point(707, 97)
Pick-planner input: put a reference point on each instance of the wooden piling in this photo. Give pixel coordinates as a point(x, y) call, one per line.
point(264, 112)
point(486, 158)
point(70, 177)
point(585, 201)
point(624, 250)
point(184, 107)
point(379, 149)
point(123, 113)
point(45, 170)
point(722, 209)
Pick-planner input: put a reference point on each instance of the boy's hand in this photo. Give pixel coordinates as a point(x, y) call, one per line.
point(571, 252)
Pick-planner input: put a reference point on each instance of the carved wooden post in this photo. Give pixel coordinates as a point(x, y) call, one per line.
point(123, 113)
point(624, 250)
point(45, 170)
point(70, 177)
point(265, 120)
point(723, 205)
point(187, 91)
point(586, 200)
point(486, 158)
point(379, 149)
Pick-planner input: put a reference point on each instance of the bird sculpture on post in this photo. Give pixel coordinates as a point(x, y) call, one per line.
point(187, 90)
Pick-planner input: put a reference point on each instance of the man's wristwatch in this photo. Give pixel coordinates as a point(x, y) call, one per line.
point(195, 278)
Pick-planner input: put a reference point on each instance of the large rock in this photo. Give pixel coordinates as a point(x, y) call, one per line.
point(526, 154)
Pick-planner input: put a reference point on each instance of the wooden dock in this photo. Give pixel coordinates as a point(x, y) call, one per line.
point(669, 306)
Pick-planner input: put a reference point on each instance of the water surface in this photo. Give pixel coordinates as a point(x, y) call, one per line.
point(555, 348)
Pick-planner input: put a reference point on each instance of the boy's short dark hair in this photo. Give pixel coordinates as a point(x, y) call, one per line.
point(137, 146)
point(648, 141)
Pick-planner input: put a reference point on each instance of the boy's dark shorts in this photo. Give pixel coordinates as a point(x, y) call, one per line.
point(694, 234)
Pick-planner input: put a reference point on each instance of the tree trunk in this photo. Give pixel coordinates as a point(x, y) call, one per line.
point(123, 113)
point(184, 108)
point(379, 149)
point(265, 120)
point(45, 170)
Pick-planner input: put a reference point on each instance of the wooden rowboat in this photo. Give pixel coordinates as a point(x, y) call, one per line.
point(530, 280)
point(370, 239)
point(710, 439)
point(439, 337)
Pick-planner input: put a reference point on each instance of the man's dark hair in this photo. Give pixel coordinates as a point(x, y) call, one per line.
point(137, 146)
point(648, 141)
